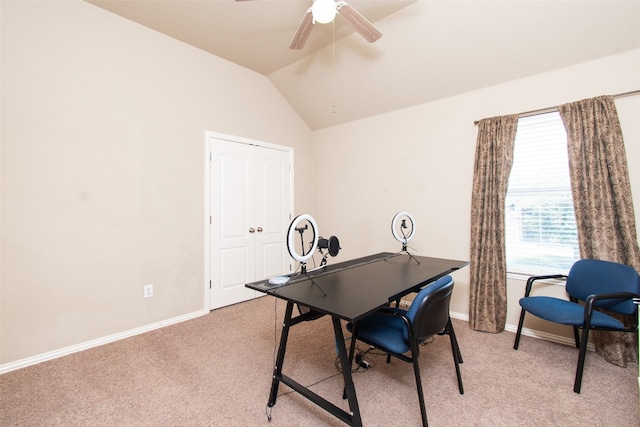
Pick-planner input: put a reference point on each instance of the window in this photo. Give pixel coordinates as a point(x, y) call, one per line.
point(541, 235)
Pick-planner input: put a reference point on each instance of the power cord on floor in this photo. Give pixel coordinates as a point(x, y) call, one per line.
point(361, 364)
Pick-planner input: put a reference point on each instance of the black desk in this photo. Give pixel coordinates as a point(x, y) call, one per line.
point(349, 291)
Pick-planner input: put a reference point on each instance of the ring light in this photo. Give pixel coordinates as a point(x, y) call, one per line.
point(403, 239)
point(291, 234)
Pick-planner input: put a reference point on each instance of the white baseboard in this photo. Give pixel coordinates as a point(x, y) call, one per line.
point(531, 333)
point(23, 363)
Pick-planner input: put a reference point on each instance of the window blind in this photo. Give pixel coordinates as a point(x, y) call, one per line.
point(541, 236)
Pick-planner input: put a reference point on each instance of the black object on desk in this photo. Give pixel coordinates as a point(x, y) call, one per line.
point(349, 291)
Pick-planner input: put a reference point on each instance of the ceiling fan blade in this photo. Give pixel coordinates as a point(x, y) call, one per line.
point(303, 31)
point(359, 22)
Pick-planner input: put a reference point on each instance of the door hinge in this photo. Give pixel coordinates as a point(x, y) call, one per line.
point(209, 284)
point(210, 219)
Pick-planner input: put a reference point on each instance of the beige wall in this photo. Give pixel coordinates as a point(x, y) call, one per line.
point(102, 169)
point(103, 142)
point(420, 160)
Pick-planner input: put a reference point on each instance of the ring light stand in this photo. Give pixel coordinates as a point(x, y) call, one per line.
point(402, 217)
point(303, 258)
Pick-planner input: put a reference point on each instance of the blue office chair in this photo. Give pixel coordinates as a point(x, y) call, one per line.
point(591, 285)
point(396, 331)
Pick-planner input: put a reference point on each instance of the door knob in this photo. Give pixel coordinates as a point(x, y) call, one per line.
point(259, 229)
point(252, 230)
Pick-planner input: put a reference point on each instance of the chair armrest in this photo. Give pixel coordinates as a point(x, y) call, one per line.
point(533, 279)
point(397, 312)
point(591, 299)
point(390, 311)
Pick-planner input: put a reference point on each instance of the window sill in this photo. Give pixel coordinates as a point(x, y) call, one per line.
point(518, 276)
point(524, 277)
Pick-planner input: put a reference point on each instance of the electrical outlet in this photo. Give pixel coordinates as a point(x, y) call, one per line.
point(148, 290)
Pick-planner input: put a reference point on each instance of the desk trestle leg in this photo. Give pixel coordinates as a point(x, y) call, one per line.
point(351, 418)
point(349, 388)
point(277, 369)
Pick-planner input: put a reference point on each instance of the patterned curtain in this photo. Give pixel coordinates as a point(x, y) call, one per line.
point(602, 201)
point(488, 270)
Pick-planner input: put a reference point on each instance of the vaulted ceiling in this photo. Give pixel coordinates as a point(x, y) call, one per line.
point(429, 49)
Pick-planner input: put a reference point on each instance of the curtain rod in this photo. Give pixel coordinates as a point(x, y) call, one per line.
point(552, 109)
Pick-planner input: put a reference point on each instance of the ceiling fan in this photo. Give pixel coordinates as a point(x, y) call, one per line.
point(323, 12)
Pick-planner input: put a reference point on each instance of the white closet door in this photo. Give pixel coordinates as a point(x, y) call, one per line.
point(272, 212)
point(250, 204)
point(232, 200)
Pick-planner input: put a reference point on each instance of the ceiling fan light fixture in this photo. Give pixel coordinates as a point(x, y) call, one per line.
point(323, 11)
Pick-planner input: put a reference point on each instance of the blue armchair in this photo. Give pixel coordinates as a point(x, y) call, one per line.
point(396, 331)
point(591, 285)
